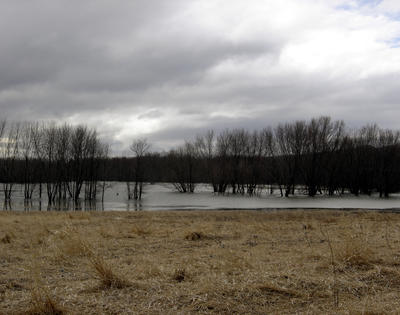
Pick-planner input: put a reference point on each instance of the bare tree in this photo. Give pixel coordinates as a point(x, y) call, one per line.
point(47, 150)
point(221, 169)
point(360, 160)
point(388, 157)
point(183, 165)
point(3, 145)
point(205, 147)
point(291, 140)
point(140, 149)
point(27, 154)
point(37, 133)
point(104, 155)
point(10, 156)
point(323, 138)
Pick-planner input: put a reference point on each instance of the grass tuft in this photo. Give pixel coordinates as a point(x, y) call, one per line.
point(102, 271)
point(355, 252)
point(140, 231)
point(194, 236)
point(108, 278)
point(6, 239)
point(43, 304)
point(179, 275)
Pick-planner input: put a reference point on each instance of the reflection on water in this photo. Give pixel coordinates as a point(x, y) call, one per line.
point(115, 198)
point(163, 197)
point(61, 205)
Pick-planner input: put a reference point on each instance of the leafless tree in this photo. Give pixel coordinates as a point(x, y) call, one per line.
point(205, 147)
point(183, 165)
point(27, 155)
point(323, 138)
point(388, 157)
point(291, 143)
point(9, 157)
point(104, 155)
point(360, 160)
point(139, 148)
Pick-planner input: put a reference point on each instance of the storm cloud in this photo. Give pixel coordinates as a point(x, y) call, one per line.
point(167, 70)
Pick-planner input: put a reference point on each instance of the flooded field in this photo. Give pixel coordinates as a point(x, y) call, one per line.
point(163, 197)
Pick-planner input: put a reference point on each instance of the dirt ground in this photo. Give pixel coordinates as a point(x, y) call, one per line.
point(206, 262)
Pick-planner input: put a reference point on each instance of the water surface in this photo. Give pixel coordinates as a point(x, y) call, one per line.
point(163, 197)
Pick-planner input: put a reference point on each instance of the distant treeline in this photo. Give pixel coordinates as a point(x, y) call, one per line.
point(313, 157)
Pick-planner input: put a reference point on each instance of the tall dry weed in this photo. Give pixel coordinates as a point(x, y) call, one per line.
point(355, 250)
point(105, 274)
point(42, 301)
point(335, 286)
point(74, 242)
point(6, 239)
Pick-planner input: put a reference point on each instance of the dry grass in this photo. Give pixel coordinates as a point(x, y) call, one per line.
point(194, 236)
point(43, 304)
point(6, 239)
point(107, 277)
point(226, 262)
point(74, 244)
point(355, 251)
point(179, 275)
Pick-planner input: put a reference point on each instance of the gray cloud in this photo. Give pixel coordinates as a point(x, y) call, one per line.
point(167, 70)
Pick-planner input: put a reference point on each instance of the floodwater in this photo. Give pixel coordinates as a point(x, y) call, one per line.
point(163, 197)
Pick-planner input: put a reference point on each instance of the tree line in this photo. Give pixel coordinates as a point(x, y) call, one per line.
point(64, 162)
point(319, 156)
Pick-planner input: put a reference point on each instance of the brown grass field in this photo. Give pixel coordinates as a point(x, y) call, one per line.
point(206, 262)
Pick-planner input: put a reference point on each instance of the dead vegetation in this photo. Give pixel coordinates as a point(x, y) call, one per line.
point(42, 301)
point(179, 275)
point(105, 274)
point(74, 244)
point(43, 304)
point(243, 262)
point(6, 239)
point(194, 236)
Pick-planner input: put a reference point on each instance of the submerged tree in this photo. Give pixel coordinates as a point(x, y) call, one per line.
point(291, 143)
point(323, 138)
point(140, 149)
point(29, 167)
point(10, 156)
point(387, 161)
point(183, 166)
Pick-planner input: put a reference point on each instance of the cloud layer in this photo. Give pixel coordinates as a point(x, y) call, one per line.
point(167, 70)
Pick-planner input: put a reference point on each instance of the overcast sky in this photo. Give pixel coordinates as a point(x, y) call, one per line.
point(169, 69)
